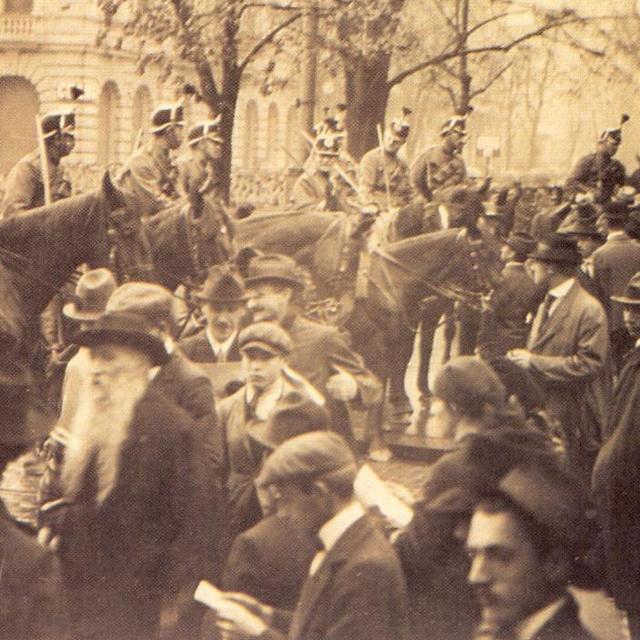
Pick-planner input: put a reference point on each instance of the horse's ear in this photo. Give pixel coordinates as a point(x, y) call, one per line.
point(112, 194)
point(197, 203)
point(243, 258)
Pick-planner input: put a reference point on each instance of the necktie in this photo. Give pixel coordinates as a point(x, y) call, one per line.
point(252, 404)
point(546, 308)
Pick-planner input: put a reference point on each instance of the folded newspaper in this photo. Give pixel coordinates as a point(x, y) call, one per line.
point(208, 595)
point(372, 491)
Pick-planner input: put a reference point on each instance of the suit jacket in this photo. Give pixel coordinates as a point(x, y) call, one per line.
point(317, 349)
point(114, 555)
point(571, 361)
point(614, 263)
point(616, 487)
point(357, 593)
point(198, 349)
point(271, 561)
point(564, 625)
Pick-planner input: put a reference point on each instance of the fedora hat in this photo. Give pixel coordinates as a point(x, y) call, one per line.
point(557, 248)
point(91, 295)
point(631, 294)
point(293, 415)
point(126, 329)
point(267, 337)
point(222, 285)
point(521, 242)
point(274, 267)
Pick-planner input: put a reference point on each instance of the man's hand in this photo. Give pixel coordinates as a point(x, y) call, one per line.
point(48, 540)
point(342, 386)
point(263, 611)
point(237, 621)
point(521, 357)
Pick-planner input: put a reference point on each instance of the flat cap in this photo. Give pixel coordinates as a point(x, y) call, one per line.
point(308, 456)
point(152, 301)
point(265, 336)
point(274, 267)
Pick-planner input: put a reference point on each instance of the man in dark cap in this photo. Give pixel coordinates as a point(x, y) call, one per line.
point(528, 542)
point(599, 173)
point(125, 486)
point(223, 302)
point(355, 588)
point(469, 404)
point(568, 350)
point(149, 177)
point(319, 352)
point(616, 477)
point(384, 177)
point(441, 166)
point(504, 323)
point(198, 168)
point(613, 265)
point(265, 349)
point(24, 187)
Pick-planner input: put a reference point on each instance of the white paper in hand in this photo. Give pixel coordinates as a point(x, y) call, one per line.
point(208, 595)
point(373, 492)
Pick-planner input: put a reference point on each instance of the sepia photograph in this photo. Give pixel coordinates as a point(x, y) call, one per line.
point(319, 320)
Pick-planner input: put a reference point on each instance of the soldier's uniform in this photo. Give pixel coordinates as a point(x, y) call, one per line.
point(24, 187)
point(384, 177)
point(150, 177)
point(441, 166)
point(599, 173)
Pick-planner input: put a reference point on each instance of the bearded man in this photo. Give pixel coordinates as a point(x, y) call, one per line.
point(124, 486)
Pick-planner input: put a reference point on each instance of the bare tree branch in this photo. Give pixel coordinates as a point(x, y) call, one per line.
point(265, 40)
point(480, 90)
point(483, 23)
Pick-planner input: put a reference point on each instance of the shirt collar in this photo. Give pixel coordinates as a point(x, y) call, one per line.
point(531, 625)
point(268, 398)
point(562, 289)
point(219, 348)
point(617, 235)
point(333, 529)
point(443, 212)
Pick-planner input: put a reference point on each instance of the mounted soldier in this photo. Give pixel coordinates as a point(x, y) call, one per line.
point(25, 187)
point(384, 176)
point(599, 173)
point(441, 166)
point(149, 176)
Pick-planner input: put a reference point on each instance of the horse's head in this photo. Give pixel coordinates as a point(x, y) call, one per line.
point(129, 253)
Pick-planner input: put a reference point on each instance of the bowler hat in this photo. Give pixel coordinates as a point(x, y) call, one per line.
point(268, 337)
point(617, 211)
point(557, 248)
point(293, 415)
point(521, 242)
point(126, 329)
point(92, 293)
point(308, 456)
point(274, 267)
point(561, 508)
point(631, 294)
point(152, 301)
point(222, 285)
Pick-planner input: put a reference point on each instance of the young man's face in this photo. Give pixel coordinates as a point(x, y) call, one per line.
point(611, 145)
point(631, 315)
point(506, 253)
point(442, 419)
point(223, 318)
point(261, 368)
point(539, 272)
point(269, 302)
point(507, 573)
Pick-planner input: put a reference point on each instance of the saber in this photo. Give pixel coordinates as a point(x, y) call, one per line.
point(384, 166)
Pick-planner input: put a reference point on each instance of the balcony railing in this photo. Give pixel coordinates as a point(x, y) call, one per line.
point(16, 25)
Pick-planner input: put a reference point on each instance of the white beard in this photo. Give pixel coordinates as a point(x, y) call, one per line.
point(98, 429)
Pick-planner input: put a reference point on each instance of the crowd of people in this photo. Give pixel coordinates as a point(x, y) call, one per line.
point(221, 449)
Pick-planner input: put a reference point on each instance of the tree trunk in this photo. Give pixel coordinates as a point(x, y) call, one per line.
point(367, 94)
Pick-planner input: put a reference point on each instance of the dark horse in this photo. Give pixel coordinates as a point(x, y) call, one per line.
point(41, 249)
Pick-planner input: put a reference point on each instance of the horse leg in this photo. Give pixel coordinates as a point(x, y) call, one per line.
point(469, 327)
point(399, 347)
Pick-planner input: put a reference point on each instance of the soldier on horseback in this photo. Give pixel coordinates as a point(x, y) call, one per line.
point(25, 185)
point(599, 174)
point(441, 166)
point(149, 176)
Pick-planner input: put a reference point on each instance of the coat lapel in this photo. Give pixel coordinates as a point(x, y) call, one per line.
point(540, 335)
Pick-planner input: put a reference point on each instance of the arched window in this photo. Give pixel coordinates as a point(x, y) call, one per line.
point(19, 106)
point(108, 129)
point(273, 136)
point(250, 156)
point(140, 114)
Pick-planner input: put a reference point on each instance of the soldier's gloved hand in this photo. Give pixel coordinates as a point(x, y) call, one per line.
point(342, 386)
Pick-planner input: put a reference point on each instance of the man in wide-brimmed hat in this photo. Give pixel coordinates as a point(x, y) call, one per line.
point(528, 541)
point(616, 477)
point(568, 350)
point(124, 485)
point(223, 302)
point(613, 264)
